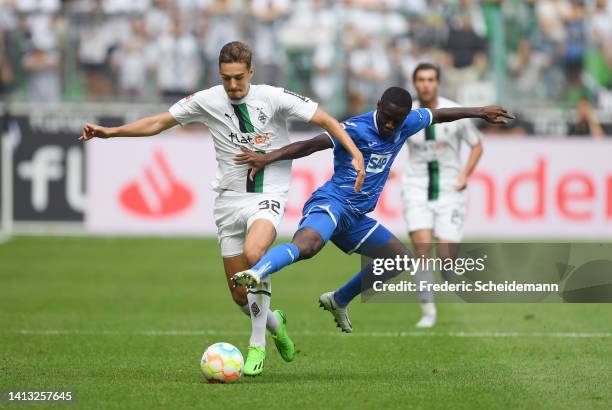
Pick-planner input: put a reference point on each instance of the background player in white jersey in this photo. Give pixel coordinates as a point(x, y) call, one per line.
point(434, 181)
point(247, 210)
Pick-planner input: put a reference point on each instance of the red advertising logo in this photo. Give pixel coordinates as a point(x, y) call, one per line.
point(160, 195)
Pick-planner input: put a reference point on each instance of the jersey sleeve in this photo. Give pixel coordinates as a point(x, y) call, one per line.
point(190, 108)
point(350, 128)
point(417, 120)
point(332, 139)
point(469, 133)
point(295, 106)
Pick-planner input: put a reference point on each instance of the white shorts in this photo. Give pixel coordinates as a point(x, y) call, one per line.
point(445, 216)
point(234, 212)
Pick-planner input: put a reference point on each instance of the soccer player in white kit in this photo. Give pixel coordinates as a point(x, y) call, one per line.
point(249, 206)
point(434, 181)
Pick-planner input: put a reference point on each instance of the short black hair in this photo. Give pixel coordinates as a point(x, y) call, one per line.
point(397, 96)
point(426, 66)
point(236, 52)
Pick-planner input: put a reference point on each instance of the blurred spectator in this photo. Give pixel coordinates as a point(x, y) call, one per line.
point(42, 67)
point(267, 16)
point(131, 62)
point(158, 19)
point(323, 83)
point(586, 123)
point(552, 16)
point(600, 23)
point(599, 58)
point(356, 105)
point(41, 59)
point(96, 41)
point(222, 26)
point(369, 69)
point(407, 55)
point(574, 46)
point(467, 51)
point(319, 47)
point(178, 63)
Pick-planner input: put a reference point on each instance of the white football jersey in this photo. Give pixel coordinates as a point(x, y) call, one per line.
point(434, 154)
point(258, 122)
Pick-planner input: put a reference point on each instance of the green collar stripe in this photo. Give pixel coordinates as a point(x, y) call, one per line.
point(242, 112)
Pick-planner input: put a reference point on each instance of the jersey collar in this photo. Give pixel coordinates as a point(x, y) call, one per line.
point(374, 117)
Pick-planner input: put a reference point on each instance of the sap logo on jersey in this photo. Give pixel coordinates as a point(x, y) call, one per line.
point(377, 163)
point(160, 195)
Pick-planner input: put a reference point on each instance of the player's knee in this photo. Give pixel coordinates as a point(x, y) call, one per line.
point(253, 256)
point(309, 247)
point(239, 296)
point(308, 242)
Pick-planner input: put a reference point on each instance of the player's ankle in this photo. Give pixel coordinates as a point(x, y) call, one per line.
point(338, 301)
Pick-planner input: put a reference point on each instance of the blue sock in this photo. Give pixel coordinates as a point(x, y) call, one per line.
point(276, 259)
point(349, 290)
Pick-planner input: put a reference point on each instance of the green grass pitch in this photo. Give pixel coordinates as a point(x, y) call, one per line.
point(123, 322)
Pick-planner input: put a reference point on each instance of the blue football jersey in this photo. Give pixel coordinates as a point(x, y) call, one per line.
point(378, 155)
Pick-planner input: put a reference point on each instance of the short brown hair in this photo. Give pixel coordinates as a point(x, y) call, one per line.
point(236, 52)
point(426, 66)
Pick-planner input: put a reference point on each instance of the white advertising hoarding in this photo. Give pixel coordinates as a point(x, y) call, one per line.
point(523, 188)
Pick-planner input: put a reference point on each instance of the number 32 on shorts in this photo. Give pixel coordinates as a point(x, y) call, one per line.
point(270, 204)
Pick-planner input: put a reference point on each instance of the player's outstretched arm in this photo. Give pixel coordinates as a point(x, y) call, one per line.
point(329, 123)
point(144, 127)
point(491, 113)
point(292, 151)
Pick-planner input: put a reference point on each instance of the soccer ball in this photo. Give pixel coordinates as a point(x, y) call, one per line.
point(222, 363)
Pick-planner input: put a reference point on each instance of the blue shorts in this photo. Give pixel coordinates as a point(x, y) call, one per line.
point(347, 230)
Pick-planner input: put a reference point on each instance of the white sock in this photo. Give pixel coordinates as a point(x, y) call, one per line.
point(271, 321)
point(259, 305)
point(426, 296)
point(428, 309)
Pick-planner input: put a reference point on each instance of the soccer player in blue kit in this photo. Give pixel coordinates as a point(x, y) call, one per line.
point(335, 211)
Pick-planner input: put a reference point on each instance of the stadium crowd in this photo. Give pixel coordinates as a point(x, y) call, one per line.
point(555, 53)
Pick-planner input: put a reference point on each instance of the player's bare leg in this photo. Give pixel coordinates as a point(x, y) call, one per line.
point(446, 249)
point(422, 244)
point(260, 236)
